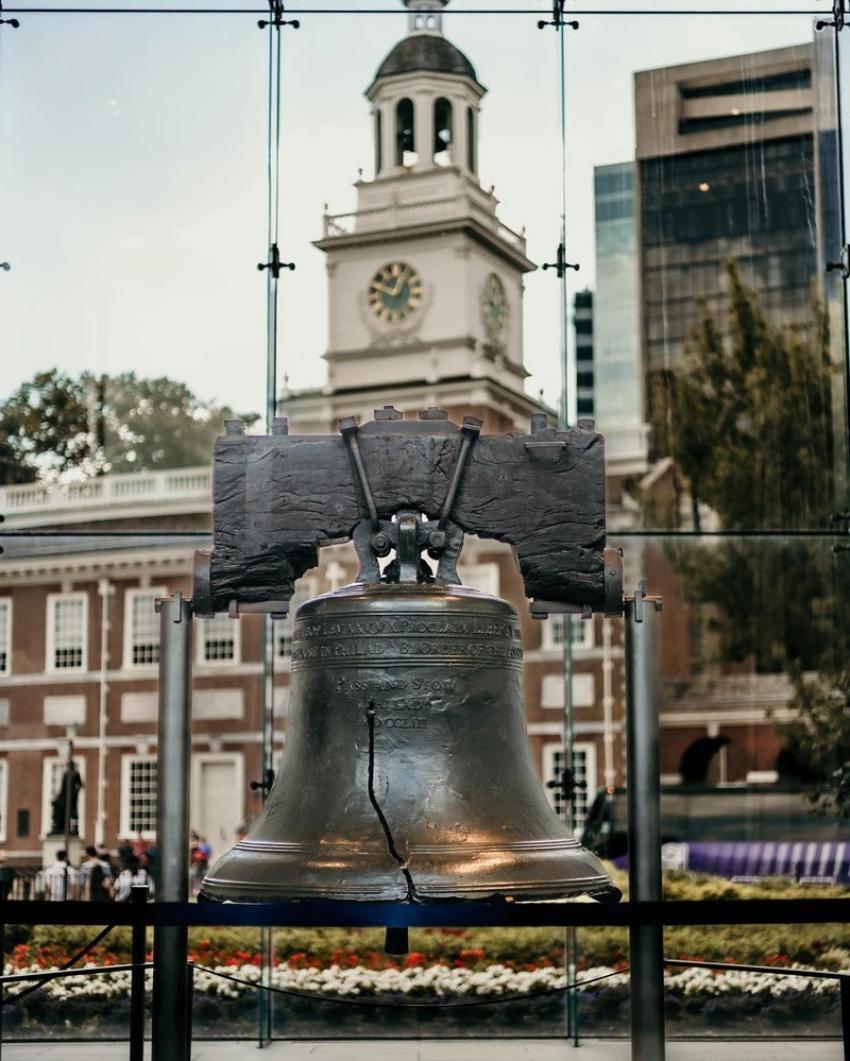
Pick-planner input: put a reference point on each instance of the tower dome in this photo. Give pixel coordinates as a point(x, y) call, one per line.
point(425, 53)
point(425, 97)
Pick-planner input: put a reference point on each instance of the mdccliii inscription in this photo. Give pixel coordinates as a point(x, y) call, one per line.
point(279, 498)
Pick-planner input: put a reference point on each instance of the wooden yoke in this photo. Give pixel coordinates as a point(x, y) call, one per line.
point(278, 499)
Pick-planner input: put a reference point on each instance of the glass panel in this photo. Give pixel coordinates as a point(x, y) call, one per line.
point(704, 187)
point(753, 707)
point(139, 189)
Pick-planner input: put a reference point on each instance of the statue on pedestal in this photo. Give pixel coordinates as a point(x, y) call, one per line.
point(65, 802)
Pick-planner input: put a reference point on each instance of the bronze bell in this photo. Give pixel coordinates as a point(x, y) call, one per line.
point(407, 773)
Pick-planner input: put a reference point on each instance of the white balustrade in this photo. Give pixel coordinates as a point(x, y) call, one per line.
point(399, 215)
point(171, 486)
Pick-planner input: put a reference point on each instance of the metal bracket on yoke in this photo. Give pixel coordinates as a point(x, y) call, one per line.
point(177, 598)
point(641, 598)
point(408, 534)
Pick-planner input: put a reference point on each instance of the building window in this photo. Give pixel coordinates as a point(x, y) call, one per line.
point(219, 641)
point(5, 635)
point(471, 160)
point(138, 795)
point(405, 135)
point(584, 774)
point(67, 627)
point(141, 627)
point(583, 690)
point(53, 774)
point(304, 590)
point(443, 135)
point(554, 629)
point(483, 577)
point(379, 141)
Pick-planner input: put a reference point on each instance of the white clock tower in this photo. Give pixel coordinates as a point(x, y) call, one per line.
point(425, 283)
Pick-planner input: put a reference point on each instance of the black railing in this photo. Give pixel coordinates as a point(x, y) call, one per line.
point(141, 915)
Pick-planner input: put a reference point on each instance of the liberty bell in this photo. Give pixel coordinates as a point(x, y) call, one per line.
point(407, 773)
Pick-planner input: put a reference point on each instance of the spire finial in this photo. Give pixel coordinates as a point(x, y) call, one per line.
point(425, 16)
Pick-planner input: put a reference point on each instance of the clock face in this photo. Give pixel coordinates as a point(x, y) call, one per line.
point(494, 306)
point(395, 291)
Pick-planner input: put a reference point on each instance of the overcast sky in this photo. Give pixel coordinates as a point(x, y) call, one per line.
point(133, 172)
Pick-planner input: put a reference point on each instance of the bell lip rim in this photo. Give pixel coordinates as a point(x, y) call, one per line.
point(565, 890)
point(543, 847)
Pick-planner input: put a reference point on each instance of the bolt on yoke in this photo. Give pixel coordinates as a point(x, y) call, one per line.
point(409, 532)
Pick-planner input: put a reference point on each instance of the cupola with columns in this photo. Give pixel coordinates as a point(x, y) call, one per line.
point(425, 98)
point(425, 282)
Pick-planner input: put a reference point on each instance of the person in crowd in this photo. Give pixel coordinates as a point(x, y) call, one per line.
point(125, 853)
point(133, 875)
point(7, 875)
point(140, 845)
point(108, 858)
point(58, 881)
point(199, 860)
point(95, 878)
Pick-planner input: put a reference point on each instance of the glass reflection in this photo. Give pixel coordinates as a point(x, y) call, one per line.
point(718, 330)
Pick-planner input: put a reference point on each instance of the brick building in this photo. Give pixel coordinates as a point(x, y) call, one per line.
point(79, 651)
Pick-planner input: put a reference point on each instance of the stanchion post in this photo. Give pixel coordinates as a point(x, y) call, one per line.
point(171, 1030)
point(4, 895)
point(138, 949)
point(190, 1005)
point(646, 942)
point(845, 1015)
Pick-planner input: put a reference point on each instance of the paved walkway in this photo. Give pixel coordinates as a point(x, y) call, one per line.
point(454, 1050)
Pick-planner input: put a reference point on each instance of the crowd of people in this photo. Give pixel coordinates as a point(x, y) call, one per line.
point(101, 876)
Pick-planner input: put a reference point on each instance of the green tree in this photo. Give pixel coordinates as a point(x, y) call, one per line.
point(749, 423)
point(748, 419)
point(95, 424)
point(820, 737)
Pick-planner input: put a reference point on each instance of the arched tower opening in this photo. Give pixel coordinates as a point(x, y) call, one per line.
point(443, 152)
point(405, 133)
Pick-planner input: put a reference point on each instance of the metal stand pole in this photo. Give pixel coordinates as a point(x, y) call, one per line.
point(845, 1016)
point(139, 896)
point(4, 895)
point(646, 942)
point(171, 1022)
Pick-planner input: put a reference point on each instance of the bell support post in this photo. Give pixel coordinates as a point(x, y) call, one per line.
point(171, 1031)
point(643, 781)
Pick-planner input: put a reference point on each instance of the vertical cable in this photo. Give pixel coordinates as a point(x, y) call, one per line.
point(842, 222)
point(275, 39)
point(567, 414)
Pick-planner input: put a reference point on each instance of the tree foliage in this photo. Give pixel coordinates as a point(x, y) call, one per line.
point(748, 418)
point(56, 423)
point(749, 423)
point(819, 737)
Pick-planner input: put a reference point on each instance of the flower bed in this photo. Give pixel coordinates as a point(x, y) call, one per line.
point(695, 998)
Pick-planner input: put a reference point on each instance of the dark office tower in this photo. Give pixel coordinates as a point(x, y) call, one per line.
point(728, 172)
point(583, 324)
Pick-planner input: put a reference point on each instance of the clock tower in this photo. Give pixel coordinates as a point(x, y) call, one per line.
point(425, 283)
